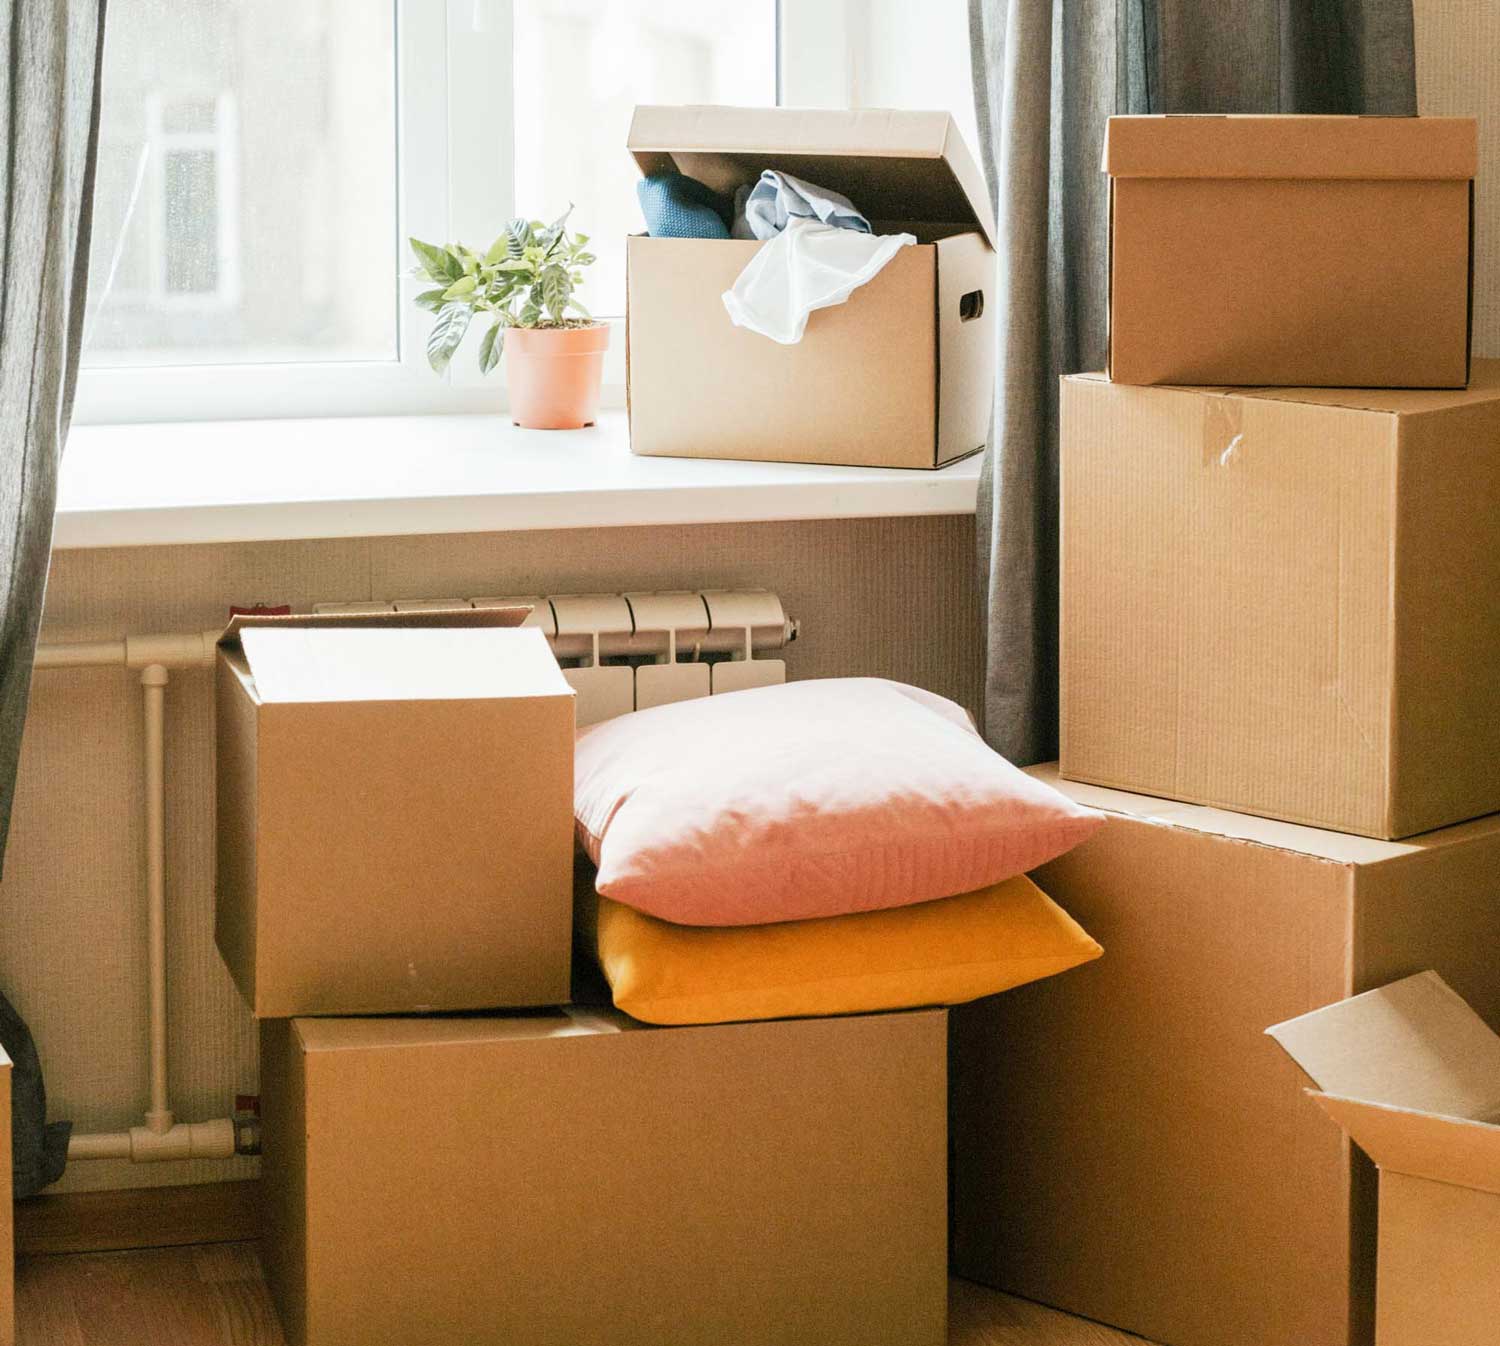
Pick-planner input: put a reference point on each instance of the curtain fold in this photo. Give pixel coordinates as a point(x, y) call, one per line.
point(1047, 76)
point(49, 126)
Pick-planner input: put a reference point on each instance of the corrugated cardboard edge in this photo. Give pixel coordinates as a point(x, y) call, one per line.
point(433, 617)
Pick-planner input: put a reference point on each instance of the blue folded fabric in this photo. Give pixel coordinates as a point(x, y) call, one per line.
point(677, 206)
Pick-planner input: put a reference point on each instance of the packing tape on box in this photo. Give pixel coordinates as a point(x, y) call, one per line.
point(1223, 431)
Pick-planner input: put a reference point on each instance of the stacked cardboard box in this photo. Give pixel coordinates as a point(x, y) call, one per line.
point(453, 1151)
point(1280, 640)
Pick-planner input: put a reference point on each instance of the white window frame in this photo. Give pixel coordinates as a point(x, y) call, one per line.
point(451, 76)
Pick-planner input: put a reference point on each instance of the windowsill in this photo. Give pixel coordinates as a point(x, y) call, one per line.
point(271, 480)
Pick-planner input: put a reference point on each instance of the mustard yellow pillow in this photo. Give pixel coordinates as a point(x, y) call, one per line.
point(933, 953)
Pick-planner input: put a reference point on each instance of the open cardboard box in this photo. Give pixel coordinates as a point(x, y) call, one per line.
point(1291, 250)
point(1412, 1074)
point(899, 376)
point(395, 813)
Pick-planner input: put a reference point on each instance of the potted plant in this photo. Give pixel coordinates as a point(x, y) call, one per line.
point(554, 349)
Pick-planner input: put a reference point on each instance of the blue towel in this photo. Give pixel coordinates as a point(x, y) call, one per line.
point(764, 210)
point(676, 206)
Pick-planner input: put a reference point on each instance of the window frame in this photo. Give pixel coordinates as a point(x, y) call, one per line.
point(449, 75)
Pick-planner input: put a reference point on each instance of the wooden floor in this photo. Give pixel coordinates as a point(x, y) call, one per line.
point(214, 1296)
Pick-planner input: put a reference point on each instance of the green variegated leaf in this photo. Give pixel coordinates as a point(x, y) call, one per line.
point(462, 286)
point(436, 262)
point(490, 347)
point(431, 300)
point(555, 287)
point(517, 237)
point(452, 322)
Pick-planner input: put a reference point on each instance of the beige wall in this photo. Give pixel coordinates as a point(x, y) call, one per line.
point(892, 598)
point(1458, 74)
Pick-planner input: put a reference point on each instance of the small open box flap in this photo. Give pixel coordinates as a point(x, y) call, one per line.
point(1412, 1073)
point(1239, 146)
point(1404, 1140)
point(893, 165)
point(397, 657)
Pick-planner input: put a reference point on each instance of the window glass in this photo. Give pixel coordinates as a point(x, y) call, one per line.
point(245, 208)
point(581, 66)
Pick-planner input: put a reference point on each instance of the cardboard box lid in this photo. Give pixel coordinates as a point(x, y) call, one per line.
point(1242, 146)
point(893, 165)
point(1412, 1074)
point(463, 654)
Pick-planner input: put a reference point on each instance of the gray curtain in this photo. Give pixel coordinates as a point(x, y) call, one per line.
point(1047, 75)
point(49, 127)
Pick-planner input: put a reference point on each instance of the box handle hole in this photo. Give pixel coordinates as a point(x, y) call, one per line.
point(971, 305)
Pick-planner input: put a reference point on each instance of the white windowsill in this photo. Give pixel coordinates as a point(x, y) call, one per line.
point(257, 481)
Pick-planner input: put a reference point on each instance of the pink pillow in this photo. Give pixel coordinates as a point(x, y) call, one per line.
point(815, 798)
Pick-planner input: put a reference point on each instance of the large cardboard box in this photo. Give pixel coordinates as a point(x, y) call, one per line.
point(1332, 251)
point(1413, 1075)
point(395, 813)
point(1127, 1143)
point(1283, 601)
point(901, 375)
point(576, 1179)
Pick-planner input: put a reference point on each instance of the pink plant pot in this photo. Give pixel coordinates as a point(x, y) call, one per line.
point(553, 375)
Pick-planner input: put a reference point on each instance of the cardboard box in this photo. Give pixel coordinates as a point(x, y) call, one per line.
point(576, 1179)
point(1413, 1075)
point(902, 375)
point(1328, 251)
point(395, 813)
point(1127, 1144)
point(1283, 601)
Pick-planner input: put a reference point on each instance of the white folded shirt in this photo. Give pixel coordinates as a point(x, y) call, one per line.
point(807, 266)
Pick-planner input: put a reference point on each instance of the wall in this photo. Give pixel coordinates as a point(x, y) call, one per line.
point(891, 598)
point(1458, 74)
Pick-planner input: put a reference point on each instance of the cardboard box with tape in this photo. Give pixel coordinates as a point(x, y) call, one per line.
point(1283, 601)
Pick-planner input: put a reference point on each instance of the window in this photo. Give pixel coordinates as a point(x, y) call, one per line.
point(263, 161)
point(580, 69)
point(267, 237)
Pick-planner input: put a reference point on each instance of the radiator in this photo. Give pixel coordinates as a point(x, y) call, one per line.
point(624, 652)
point(621, 652)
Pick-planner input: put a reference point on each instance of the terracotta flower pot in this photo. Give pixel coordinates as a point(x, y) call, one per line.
point(553, 375)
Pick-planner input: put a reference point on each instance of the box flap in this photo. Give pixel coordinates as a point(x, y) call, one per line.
point(501, 617)
point(1413, 1044)
point(306, 664)
point(893, 165)
point(1240, 146)
point(1404, 1140)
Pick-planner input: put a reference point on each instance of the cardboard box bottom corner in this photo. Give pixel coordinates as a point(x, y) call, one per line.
point(575, 1179)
